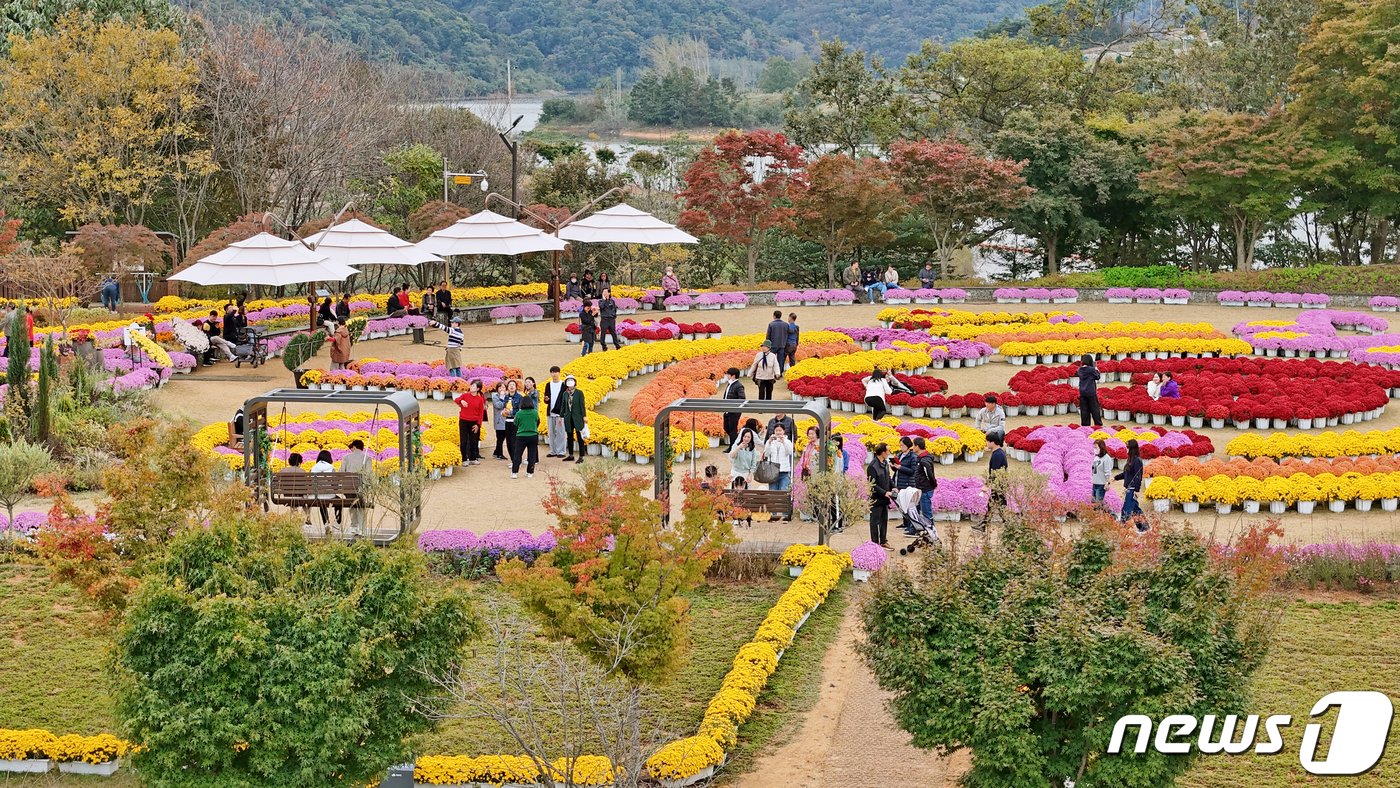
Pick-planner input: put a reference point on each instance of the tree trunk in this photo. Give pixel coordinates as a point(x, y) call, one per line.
point(830, 269)
point(1379, 235)
point(1242, 245)
point(753, 261)
point(1052, 256)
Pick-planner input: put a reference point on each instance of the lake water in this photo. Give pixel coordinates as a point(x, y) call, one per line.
point(495, 111)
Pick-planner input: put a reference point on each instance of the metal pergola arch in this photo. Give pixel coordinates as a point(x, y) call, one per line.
point(405, 406)
point(793, 408)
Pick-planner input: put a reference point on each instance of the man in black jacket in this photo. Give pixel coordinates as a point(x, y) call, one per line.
point(996, 483)
point(607, 319)
point(778, 337)
point(906, 469)
point(733, 390)
point(877, 472)
point(924, 478)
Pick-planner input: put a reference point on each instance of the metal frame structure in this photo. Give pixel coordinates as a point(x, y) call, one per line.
point(793, 408)
point(256, 472)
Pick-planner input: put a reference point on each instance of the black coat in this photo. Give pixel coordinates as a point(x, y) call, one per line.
point(607, 309)
point(778, 335)
point(877, 472)
point(1088, 381)
point(342, 311)
point(587, 324)
point(735, 391)
point(925, 479)
point(1132, 475)
point(907, 464)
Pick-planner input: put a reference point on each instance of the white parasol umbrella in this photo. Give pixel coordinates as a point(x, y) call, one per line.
point(265, 259)
point(624, 224)
point(359, 243)
point(489, 232)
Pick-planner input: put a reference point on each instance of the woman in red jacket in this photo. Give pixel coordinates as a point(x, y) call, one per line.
point(472, 411)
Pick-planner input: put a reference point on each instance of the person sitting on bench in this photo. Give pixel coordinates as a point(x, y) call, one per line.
point(235, 431)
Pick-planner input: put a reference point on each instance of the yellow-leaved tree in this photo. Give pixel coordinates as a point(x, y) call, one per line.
point(98, 119)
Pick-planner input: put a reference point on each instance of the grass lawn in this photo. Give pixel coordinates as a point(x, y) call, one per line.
point(53, 674)
point(1319, 647)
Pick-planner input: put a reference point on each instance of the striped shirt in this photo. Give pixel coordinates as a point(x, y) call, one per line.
point(454, 335)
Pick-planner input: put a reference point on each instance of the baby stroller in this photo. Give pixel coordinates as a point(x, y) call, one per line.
point(253, 349)
point(907, 502)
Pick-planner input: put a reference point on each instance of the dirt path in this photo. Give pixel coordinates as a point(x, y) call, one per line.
point(848, 738)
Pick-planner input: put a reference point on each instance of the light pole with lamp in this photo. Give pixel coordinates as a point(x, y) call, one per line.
point(555, 227)
point(514, 148)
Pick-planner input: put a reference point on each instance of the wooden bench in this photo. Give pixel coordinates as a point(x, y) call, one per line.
point(306, 489)
point(235, 441)
point(775, 502)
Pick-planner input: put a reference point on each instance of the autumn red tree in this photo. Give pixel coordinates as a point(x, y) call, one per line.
point(105, 247)
point(434, 216)
point(953, 189)
point(740, 188)
point(848, 203)
point(9, 231)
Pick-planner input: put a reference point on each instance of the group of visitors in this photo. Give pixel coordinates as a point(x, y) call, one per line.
point(872, 279)
point(355, 460)
point(25, 313)
point(588, 287)
point(515, 420)
point(888, 476)
point(1163, 386)
point(763, 455)
point(598, 319)
point(333, 312)
point(430, 303)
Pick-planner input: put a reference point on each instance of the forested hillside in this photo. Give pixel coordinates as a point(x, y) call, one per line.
point(573, 43)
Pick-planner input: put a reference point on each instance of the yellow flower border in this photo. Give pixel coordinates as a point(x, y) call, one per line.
point(18, 745)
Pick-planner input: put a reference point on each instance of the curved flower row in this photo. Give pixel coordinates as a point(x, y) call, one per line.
point(1147, 295)
point(1315, 333)
point(1351, 443)
point(1152, 443)
point(1264, 298)
point(942, 352)
point(1123, 347)
point(996, 333)
point(847, 387)
point(309, 433)
point(1064, 461)
point(421, 378)
point(1261, 468)
point(900, 317)
point(861, 362)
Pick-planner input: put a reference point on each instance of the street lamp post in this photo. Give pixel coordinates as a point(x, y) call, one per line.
point(514, 148)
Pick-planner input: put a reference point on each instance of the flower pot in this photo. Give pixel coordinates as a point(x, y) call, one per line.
point(1241, 425)
point(954, 363)
point(1217, 424)
point(1223, 508)
point(573, 339)
point(1160, 419)
point(1232, 303)
point(946, 458)
point(1261, 424)
point(1032, 410)
point(1363, 505)
point(448, 470)
point(1196, 422)
point(917, 413)
point(794, 571)
point(1161, 505)
point(1277, 507)
point(1251, 507)
point(861, 407)
point(641, 459)
point(607, 451)
point(700, 776)
point(25, 766)
point(625, 456)
point(1190, 507)
point(1306, 507)
point(897, 410)
point(1260, 304)
point(357, 388)
point(860, 575)
point(435, 474)
point(595, 449)
point(1178, 421)
point(439, 395)
point(106, 769)
point(502, 321)
point(1337, 506)
point(1280, 424)
point(1348, 418)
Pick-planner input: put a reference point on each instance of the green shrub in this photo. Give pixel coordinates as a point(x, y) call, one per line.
point(1142, 276)
point(251, 657)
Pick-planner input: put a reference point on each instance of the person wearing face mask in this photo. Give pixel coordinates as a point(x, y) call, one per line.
point(607, 319)
point(575, 414)
point(553, 393)
point(670, 284)
point(765, 370)
point(573, 289)
point(733, 388)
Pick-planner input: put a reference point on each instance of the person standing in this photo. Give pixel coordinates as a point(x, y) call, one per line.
point(604, 283)
point(553, 393)
point(765, 370)
point(996, 483)
point(1089, 409)
point(924, 477)
point(991, 418)
point(588, 325)
point(232, 334)
point(927, 277)
point(733, 389)
point(790, 354)
point(471, 413)
point(1132, 484)
point(356, 461)
point(877, 472)
point(340, 347)
point(452, 356)
point(1100, 470)
point(575, 414)
point(906, 466)
point(607, 314)
point(777, 337)
point(443, 297)
point(111, 294)
point(877, 388)
point(670, 284)
point(783, 420)
point(778, 450)
point(505, 401)
point(525, 444)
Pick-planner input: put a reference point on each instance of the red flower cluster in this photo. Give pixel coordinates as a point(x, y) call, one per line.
point(847, 387)
point(1200, 445)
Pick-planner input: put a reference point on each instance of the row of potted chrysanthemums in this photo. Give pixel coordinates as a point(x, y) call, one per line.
point(1035, 295)
point(631, 331)
point(685, 761)
point(814, 297)
point(925, 295)
point(1147, 295)
point(1263, 298)
point(37, 751)
point(1301, 491)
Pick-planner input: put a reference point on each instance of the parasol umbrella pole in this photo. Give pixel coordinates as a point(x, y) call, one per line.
point(311, 290)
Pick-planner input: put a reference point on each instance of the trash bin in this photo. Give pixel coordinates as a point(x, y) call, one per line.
point(418, 335)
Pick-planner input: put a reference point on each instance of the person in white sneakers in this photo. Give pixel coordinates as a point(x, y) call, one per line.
point(549, 403)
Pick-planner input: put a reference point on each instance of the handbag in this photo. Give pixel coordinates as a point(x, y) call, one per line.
point(766, 472)
point(583, 433)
